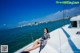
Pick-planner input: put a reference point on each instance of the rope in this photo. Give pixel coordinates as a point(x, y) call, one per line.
point(32, 37)
point(63, 24)
point(60, 41)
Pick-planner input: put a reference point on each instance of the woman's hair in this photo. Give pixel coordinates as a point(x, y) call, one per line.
point(46, 29)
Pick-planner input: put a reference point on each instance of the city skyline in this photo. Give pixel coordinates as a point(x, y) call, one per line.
point(13, 12)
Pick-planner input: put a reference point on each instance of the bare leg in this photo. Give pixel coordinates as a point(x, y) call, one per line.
point(33, 47)
point(36, 44)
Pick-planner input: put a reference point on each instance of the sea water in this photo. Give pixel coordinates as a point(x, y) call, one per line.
point(19, 37)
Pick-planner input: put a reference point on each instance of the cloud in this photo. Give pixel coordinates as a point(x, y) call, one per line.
point(22, 22)
point(54, 16)
point(4, 24)
point(67, 12)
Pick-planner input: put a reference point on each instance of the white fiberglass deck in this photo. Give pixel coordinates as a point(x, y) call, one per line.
point(62, 40)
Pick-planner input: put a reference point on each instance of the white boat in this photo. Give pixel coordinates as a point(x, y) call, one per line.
point(65, 39)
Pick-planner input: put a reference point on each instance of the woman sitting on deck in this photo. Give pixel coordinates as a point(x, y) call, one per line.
point(39, 42)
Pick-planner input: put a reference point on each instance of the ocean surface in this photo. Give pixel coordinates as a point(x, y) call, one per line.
point(19, 37)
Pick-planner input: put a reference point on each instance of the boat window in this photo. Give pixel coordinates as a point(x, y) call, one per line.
point(74, 23)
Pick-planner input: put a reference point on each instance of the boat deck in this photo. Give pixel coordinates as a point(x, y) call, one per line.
point(62, 40)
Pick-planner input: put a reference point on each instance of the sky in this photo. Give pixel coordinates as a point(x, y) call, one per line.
point(12, 12)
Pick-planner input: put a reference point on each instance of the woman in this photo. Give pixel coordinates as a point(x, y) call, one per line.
point(39, 42)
